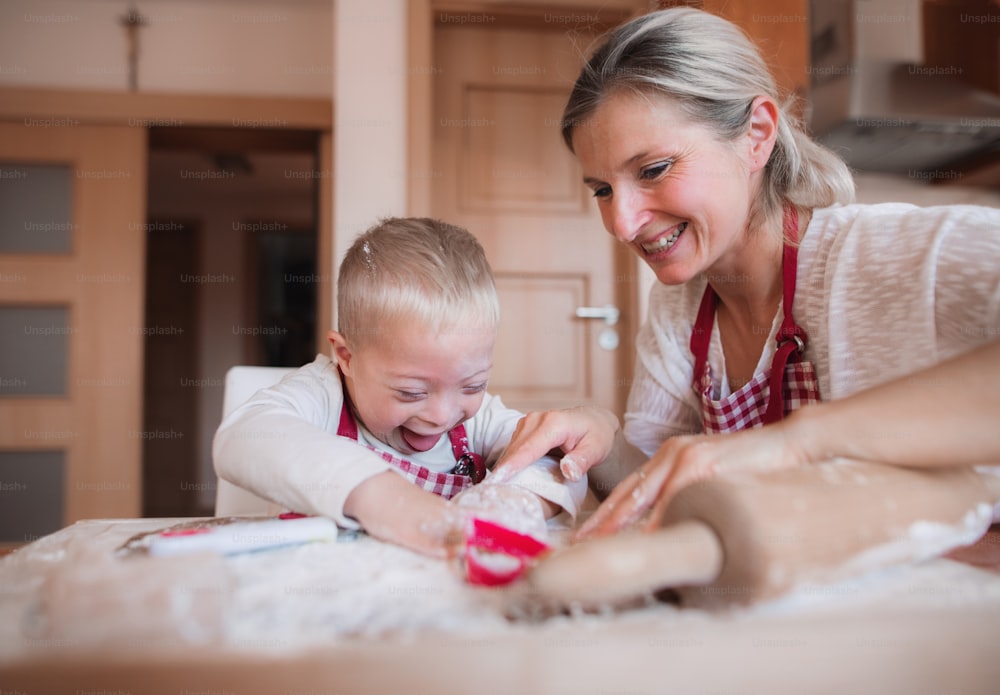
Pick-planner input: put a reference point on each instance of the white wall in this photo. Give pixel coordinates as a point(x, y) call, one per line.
point(222, 46)
point(370, 116)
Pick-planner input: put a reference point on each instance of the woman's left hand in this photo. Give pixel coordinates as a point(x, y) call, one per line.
point(681, 461)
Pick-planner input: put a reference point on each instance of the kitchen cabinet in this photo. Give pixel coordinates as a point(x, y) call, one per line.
point(780, 28)
point(962, 38)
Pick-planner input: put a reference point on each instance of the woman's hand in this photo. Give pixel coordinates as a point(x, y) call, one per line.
point(681, 461)
point(585, 434)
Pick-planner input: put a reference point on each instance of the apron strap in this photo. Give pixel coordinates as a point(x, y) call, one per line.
point(348, 427)
point(791, 337)
point(469, 462)
point(701, 334)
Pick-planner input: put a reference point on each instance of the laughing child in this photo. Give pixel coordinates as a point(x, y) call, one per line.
point(399, 422)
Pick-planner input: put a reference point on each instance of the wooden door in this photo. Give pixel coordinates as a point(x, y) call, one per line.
point(71, 309)
point(501, 170)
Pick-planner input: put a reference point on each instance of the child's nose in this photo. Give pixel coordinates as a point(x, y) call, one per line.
point(440, 410)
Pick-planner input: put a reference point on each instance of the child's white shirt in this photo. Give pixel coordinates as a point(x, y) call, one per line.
point(282, 445)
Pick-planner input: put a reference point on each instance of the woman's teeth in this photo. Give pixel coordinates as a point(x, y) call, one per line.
point(664, 242)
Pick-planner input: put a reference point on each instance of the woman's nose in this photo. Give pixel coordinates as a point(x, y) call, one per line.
point(625, 216)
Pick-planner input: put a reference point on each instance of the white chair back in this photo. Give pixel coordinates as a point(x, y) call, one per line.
point(242, 382)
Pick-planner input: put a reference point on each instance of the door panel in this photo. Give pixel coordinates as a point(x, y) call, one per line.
point(503, 172)
point(537, 358)
point(509, 163)
point(95, 278)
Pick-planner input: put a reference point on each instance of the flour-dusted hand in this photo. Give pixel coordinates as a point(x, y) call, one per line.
point(394, 510)
point(507, 505)
point(585, 435)
point(684, 460)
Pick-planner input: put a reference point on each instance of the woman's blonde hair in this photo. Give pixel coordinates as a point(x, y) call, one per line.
point(713, 72)
point(420, 268)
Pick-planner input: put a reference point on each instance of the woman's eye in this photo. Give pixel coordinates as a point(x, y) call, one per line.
point(602, 191)
point(475, 388)
point(655, 171)
point(409, 395)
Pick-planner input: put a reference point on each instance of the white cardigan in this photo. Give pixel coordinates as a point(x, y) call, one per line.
point(882, 291)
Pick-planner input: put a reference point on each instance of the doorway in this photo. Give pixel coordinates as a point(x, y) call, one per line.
point(232, 279)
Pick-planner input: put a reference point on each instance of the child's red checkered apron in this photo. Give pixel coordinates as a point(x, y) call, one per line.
point(767, 397)
point(469, 466)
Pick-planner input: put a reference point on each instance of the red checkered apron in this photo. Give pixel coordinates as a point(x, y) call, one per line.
point(469, 466)
point(767, 397)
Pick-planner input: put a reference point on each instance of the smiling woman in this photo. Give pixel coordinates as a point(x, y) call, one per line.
point(768, 323)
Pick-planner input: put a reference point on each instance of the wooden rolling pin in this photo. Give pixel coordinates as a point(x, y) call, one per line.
point(740, 539)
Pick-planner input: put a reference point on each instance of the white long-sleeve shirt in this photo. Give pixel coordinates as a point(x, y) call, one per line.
point(882, 291)
point(282, 445)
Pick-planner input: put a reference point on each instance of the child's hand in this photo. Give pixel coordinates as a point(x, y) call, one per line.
point(508, 505)
point(396, 511)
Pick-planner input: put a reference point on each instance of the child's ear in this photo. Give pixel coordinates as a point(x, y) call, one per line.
point(341, 352)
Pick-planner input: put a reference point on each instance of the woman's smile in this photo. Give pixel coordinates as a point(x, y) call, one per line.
point(664, 242)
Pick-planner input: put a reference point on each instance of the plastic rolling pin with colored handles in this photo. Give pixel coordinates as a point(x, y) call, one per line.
point(745, 538)
point(244, 537)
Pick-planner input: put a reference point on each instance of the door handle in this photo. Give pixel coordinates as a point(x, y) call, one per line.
point(608, 313)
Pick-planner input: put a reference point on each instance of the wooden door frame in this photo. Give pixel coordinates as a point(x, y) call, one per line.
point(57, 107)
point(421, 22)
point(61, 108)
point(94, 280)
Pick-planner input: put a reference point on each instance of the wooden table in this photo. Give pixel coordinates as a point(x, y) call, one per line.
point(76, 619)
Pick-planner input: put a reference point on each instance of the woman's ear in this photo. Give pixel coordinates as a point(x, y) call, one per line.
point(341, 353)
point(764, 114)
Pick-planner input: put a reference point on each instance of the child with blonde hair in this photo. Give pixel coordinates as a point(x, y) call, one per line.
point(399, 421)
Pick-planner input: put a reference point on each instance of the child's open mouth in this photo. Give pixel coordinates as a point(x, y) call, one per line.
point(418, 442)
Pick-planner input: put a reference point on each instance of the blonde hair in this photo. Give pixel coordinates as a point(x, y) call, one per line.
point(423, 268)
point(713, 72)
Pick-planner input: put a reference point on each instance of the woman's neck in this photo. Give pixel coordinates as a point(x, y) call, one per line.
point(749, 288)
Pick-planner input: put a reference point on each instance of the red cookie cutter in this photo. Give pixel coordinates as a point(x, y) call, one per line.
point(496, 555)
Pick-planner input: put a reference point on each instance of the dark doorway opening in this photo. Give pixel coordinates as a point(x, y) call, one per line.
point(231, 279)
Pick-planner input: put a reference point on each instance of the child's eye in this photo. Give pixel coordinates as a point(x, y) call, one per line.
point(602, 191)
point(475, 388)
point(656, 170)
point(409, 395)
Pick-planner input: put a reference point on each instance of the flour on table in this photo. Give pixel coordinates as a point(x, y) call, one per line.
point(330, 593)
